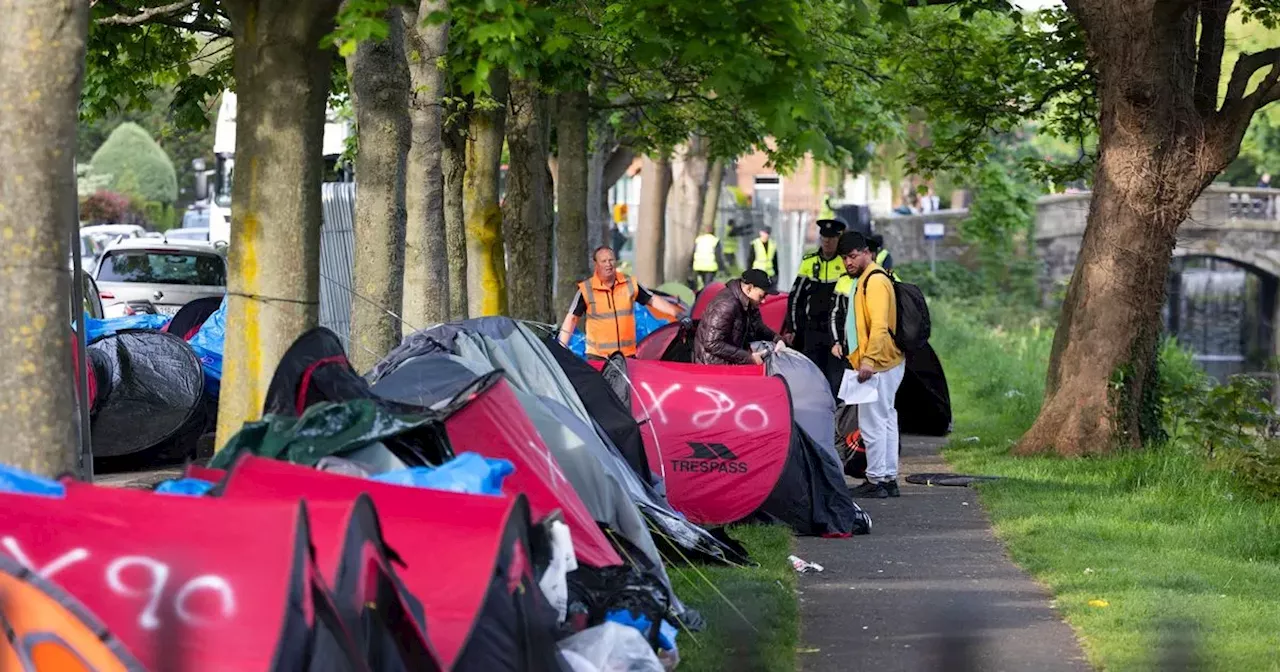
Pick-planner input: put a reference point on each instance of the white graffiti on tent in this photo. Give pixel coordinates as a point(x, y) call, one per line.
point(747, 418)
point(153, 592)
point(557, 476)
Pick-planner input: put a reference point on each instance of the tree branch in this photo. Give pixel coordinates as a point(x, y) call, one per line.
point(151, 14)
point(1246, 66)
point(1213, 39)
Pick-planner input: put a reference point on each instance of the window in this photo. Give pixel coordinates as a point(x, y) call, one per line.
point(166, 268)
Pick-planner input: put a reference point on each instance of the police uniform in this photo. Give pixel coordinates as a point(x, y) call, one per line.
point(811, 302)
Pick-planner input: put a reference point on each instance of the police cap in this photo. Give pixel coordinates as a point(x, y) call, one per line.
point(830, 228)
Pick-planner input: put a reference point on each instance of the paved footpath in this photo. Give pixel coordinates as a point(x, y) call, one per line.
point(929, 589)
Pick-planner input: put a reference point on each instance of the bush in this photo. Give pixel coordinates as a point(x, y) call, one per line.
point(104, 207)
point(137, 165)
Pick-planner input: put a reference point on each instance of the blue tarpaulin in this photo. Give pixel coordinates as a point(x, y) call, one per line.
point(469, 472)
point(95, 329)
point(16, 480)
point(208, 344)
point(185, 486)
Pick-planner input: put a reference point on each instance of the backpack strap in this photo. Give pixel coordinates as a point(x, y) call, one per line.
point(863, 287)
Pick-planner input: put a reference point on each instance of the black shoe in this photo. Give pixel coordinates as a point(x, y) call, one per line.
point(891, 487)
point(871, 490)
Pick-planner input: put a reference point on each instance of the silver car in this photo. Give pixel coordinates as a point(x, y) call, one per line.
point(148, 275)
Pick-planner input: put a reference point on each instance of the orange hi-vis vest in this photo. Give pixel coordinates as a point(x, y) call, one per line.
point(611, 315)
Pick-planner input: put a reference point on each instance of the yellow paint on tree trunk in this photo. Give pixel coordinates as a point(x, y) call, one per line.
point(242, 375)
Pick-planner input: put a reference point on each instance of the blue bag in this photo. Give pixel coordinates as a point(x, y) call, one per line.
point(192, 487)
point(18, 481)
point(469, 473)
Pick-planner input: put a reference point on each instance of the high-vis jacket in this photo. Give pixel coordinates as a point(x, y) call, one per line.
point(764, 253)
point(810, 301)
point(611, 315)
point(884, 261)
point(704, 253)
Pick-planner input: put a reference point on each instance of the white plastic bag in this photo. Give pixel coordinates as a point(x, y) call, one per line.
point(614, 648)
point(555, 581)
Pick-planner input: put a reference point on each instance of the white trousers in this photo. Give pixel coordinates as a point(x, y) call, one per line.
point(878, 421)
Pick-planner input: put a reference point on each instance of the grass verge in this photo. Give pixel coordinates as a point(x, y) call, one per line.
point(1129, 544)
point(766, 597)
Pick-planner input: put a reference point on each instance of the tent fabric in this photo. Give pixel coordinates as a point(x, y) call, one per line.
point(494, 424)
point(172, 580)
point(314, 368)
point(812, 405)
point(924, 401)
point(50, 628)
point(773, 309)
point(609, 488)
point(468, 559)
point(606, 407)
point(150, 389)
point(187, 321)
point(729, 450)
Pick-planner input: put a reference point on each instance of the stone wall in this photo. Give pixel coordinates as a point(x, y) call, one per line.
point(904, 236)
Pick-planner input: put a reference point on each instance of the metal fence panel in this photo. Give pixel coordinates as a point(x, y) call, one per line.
point(337, 256)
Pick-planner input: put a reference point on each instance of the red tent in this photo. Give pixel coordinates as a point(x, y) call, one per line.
point(171, 577)
point(773, 309)
point(493, 424)
point(720, 443)
point(466, 557)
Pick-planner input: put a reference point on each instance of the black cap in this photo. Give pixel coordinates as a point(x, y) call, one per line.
point(758, 278)
point(851, 241)
point(830, 228)
point(767, 229)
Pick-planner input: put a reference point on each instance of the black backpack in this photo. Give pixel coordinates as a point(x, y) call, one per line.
point(914, 326)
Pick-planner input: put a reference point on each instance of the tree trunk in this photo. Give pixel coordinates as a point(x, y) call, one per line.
point(687, 193)
point(1155, 157)
point(656, 183)
point(427, 288)
point(603, 145)
point(380, 95)
point(487, 279)
point(525, 205)
point(711, 203)
point(42, 44)
point(282, 78)
point(454, 158)
point(572, 249)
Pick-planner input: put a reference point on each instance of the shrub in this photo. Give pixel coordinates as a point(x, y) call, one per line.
point(137, 164)
point(104, 207)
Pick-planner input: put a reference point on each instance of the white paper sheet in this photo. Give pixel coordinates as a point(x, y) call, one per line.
point(852, 392)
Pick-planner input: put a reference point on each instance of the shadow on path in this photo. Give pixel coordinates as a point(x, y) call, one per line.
point(930, 589)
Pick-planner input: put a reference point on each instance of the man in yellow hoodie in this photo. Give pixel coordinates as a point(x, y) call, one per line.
point(863, 321)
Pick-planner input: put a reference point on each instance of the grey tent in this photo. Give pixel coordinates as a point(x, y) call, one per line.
point(612, 492)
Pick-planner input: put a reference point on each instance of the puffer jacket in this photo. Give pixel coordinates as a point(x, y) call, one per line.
point(729, 324)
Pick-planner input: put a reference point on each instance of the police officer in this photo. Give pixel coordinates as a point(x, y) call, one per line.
point(763, 256)
point(809, 306)
point(707, 258)
point(875, 242)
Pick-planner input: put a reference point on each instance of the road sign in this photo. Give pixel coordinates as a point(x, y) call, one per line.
point(934, 231)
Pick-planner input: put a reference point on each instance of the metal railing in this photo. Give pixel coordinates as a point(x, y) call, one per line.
point(337, 257)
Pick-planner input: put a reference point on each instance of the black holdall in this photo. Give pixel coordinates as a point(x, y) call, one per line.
point(914, 325)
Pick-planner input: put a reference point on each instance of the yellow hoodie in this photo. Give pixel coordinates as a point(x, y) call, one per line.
point(877, 311)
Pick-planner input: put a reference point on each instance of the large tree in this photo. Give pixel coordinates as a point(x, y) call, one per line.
point(283, 76)
point(379, 85)
point(42, 44)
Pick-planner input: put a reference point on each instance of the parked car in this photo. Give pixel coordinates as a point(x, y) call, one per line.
point(188, 234)
point(147, 275)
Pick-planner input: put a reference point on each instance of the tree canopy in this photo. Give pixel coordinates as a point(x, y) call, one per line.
point(136, 165)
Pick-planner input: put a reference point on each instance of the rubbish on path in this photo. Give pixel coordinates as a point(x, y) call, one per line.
point(803, 566)
point(958, 480)
point(1099, 603)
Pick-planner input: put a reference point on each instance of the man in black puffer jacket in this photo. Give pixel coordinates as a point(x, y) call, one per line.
point(732, 321)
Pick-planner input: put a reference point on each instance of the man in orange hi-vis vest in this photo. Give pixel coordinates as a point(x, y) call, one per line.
point(607, 299)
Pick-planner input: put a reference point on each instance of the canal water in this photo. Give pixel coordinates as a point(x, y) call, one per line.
point(1213, 310)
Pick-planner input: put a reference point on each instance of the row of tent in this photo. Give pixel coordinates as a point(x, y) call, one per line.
point(642, 461)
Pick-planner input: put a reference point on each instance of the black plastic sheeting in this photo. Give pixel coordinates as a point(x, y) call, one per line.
point(924, 401)
point(150, 390)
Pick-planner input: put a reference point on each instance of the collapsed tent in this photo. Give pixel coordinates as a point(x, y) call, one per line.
point(729, 450)
point(773, 309)
point(169, 584)
point(187, 322)
point(468, 558)
point(149, 391)
point(612, 492)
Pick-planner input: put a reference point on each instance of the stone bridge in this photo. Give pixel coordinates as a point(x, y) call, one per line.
point(1241, 225)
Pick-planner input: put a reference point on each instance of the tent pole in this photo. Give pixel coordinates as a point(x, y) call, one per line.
point(82, 354)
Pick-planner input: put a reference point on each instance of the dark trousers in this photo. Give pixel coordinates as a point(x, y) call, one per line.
point(705, 278)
